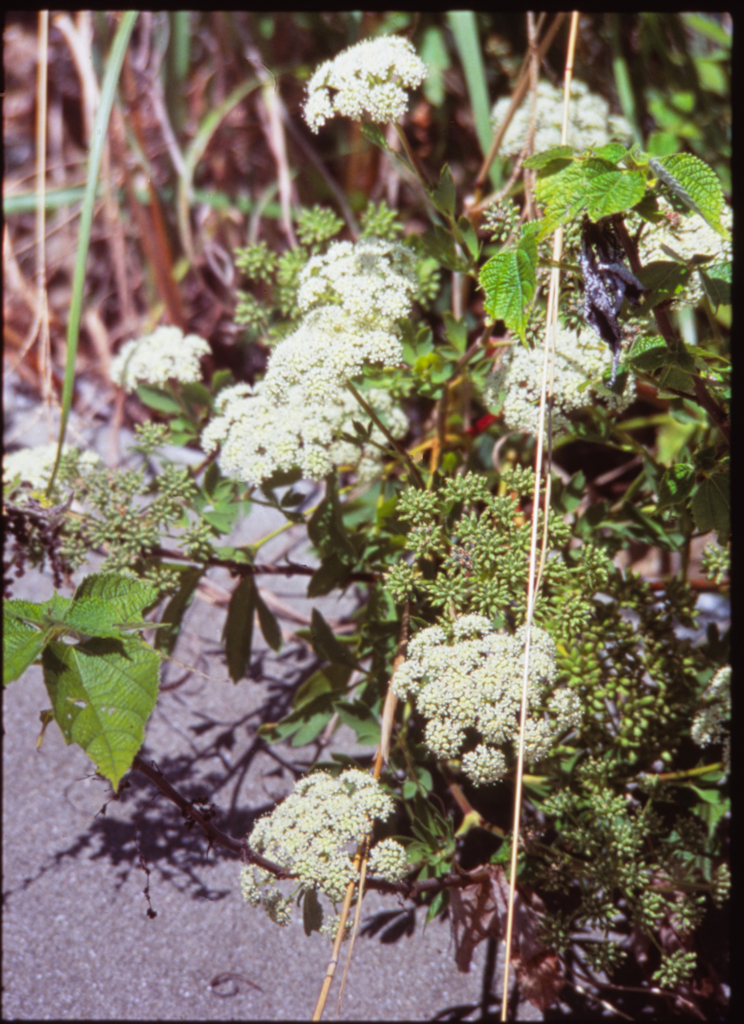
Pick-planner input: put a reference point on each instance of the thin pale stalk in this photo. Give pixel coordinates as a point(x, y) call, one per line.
point(531, 589)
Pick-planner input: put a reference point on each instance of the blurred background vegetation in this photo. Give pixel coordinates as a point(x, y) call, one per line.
point(208, 117)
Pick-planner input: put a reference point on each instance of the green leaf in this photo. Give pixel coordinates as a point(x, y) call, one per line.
point(676, 485)
point(362, 720)
point(102, 694)
point(441, 245)
point(374, 134)
point(443, 196)
point(196, 393)
point(613, 152)
point(176, 607)
point(592, 184)
point(662, 279)
point(312, 912)
point(326, 526)
point(22, 643)
point(508, 280)
point(562, 156)
point(716, 280)
point(269, 626)
point(327, 576)
point(695, 183)
point(649, 353)
point(325, 644)
point(471, 238)
point(711, 505)
point(456, 332)
point(238, 629)
point(156, 399)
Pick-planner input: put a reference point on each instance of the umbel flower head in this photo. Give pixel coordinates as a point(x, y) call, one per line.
point(365, 81)
point(314, 833)
point(472, 683)
point(34, 465)
point(158, 357)
point(590, 122)
point(578, 359)
point(352, 297)
point(259, 436)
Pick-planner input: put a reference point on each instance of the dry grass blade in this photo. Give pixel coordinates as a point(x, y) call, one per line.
point(552, 314)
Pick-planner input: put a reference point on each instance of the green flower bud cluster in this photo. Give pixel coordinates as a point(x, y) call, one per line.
point(479, 545)
point(676, 968)
point(716, 563)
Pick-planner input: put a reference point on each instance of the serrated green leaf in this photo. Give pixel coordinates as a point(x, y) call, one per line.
point(613, 152)
point(312, 912)
point(695, 183)
point(562, 156)
point(22, 642)
point(156, 399)
point(102, 694)
point(238, 630)
point(325, 644)
point(613, 191)
point(676, 484)
point(595, 185)
point(311, 729)
point(711, 505)
point(649, 353)
point(508, 280)
point(269, 626)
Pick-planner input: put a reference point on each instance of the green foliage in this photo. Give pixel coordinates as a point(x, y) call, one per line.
point(625, 825)
point(103, 687)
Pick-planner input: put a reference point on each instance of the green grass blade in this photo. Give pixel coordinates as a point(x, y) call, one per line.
point(100, 128)
point(465, 31)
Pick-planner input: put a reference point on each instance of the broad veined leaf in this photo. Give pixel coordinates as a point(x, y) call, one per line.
point(102, 694)
point(508, 280)
point(598, 186)
point(711, 505)
point(695, 183)
point(156, 399)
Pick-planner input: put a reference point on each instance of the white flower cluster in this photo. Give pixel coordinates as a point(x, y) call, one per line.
point(688, 236)
point(590, 123)
point(351, 297)
point(34, 465)
point(365, 81)
point(158, 357)
point(314, 833)
point(707, 725)
point(259, 436)
point(475, 683)
point(578, 358)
